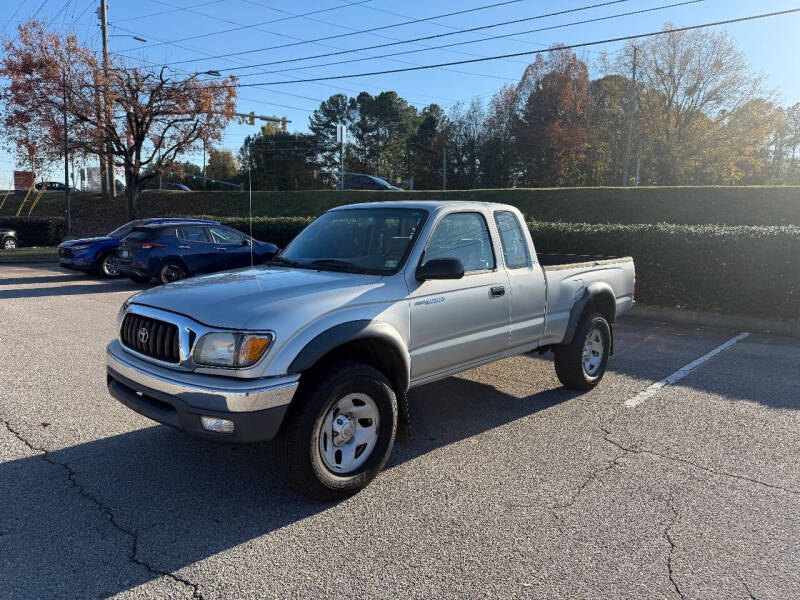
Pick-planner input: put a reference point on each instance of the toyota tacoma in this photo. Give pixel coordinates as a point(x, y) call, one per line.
point(318, 347)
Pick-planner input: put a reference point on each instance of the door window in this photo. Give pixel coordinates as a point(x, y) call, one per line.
point(223, 235)
point(464, 236)
point(515, 246)
point(194, 233)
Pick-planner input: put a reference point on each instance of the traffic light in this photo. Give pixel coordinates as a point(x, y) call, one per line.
point(283, 124)
point(251, 119)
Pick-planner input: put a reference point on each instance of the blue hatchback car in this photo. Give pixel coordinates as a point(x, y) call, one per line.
point(173, 251)
point(99, 254)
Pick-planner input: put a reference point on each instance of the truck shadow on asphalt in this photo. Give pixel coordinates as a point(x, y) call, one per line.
point(155, 496)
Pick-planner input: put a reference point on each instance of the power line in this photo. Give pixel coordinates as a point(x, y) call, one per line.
point(14, 14)
point(341, 35)
point(529, 52)
point(429, 37)
point(167, 12)
point(496, 37)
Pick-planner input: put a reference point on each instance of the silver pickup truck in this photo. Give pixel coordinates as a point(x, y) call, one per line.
point(319, 347)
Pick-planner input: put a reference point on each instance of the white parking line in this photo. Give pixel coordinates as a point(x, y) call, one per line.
point(680, 373)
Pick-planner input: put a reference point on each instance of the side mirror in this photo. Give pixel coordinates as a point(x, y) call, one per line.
point(245, 242)
point(440, 268)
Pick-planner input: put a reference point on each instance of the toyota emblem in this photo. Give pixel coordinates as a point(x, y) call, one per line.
point(143, 335)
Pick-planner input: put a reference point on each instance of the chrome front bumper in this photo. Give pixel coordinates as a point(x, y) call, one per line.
point(203, 391)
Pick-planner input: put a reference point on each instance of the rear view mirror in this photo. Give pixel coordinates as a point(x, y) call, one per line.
point(440, 268)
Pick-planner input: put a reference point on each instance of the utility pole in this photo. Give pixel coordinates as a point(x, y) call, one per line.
point(108, 162)
point(444, 168)
point(633, 108)
point(639, 160)
point(66, 159)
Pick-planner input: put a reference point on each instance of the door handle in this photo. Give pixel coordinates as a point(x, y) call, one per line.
point(498, 291)
point(184, 247)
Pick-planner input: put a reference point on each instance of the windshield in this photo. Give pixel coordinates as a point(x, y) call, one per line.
point(121, 232)
point(369, 240)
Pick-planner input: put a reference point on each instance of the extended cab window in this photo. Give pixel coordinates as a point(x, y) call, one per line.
point(515, 246)
point(464, 236)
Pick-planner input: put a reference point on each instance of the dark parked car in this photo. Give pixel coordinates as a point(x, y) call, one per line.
point(9, 239)
point(357, 181)
point(99, 254)
point(56, 186)
point(176, 187)
point(172, 251)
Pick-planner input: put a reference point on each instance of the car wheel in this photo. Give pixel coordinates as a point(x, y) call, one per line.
point(582, 363)
point(108, 265)
point(339, 431)
point(9, 243)
point(171, 271)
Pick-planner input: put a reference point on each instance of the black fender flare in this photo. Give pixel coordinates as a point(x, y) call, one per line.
point(595, 290)
point(350, 331)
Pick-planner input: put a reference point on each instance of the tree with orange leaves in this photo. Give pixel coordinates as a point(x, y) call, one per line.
point(148, 119)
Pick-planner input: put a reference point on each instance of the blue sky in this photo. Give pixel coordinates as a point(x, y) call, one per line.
point(771, 45)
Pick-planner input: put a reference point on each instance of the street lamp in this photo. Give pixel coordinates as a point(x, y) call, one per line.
point(135, 37)
point(212, 73)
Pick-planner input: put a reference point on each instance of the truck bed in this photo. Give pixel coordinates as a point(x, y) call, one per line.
point(552, 262)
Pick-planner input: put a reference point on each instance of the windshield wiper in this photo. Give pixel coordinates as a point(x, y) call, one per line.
point(279, 260)
point(335, 263)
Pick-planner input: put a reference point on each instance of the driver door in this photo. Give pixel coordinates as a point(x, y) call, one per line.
point(459, 321)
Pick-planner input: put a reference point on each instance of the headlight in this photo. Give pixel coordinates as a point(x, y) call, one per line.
point(80, 247)
point(231, 349)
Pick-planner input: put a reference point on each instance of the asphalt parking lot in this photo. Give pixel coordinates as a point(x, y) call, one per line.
point(511, 486)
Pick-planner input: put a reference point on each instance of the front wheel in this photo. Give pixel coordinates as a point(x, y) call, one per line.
point(582, 363)
point(108, 265)
point(339, 431)
point(171, 271)
point(9, 243)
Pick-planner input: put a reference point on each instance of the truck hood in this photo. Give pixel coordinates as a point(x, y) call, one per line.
point(259, 297)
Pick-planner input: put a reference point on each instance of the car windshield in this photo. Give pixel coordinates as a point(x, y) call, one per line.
point(121, 232)
point(369, 240)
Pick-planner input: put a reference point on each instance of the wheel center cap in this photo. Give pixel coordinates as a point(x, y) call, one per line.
point(343, 429)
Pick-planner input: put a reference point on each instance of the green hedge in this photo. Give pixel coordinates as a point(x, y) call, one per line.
point(751, 271)
point(752, 205)
point(37, 231)
point(278, 230)
point(682, 205)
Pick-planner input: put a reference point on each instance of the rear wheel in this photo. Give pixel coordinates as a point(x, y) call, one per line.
point(171, 271)
point(582, 363)
point(339, 432)
point(108, 265)
point(9, 243)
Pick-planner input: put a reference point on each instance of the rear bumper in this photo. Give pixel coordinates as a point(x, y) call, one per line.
point(256, 407)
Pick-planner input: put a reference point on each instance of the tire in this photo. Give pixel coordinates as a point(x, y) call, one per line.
point(10, 243)
point(171, 271)
point(107, 265)
point(581, 364)
point(140, 278)
point(305, 452)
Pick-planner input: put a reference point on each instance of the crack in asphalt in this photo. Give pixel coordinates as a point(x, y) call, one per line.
point(668, 537)
point(686, 461)
point(593, 476)
point(84, 493)
point(747, 589)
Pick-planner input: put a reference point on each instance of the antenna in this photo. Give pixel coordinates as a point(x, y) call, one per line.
point(250, 185)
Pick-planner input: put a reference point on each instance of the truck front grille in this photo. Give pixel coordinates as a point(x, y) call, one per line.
point(151, 337)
